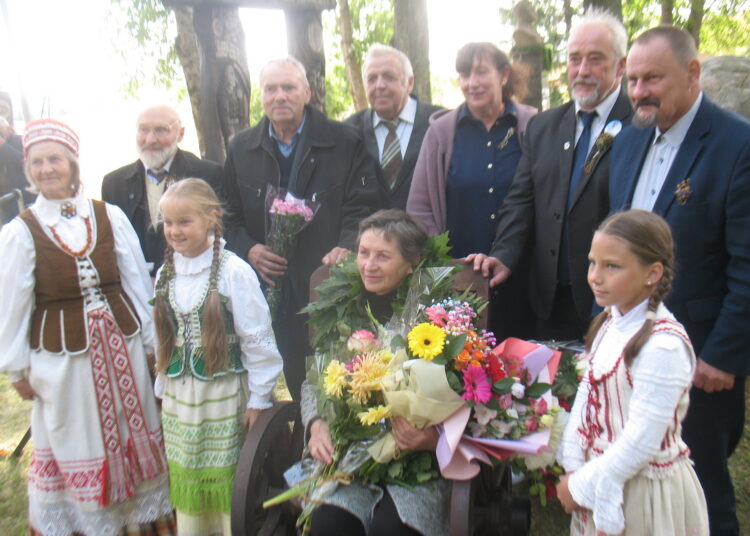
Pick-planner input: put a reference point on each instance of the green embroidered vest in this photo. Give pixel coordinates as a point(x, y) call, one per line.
point(187, 356)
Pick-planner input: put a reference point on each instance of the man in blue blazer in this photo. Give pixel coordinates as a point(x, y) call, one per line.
point(690, 162)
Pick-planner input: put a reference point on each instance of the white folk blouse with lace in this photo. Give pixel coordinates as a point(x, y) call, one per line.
point(642, 407)
point(66, 473)
point(252, 321)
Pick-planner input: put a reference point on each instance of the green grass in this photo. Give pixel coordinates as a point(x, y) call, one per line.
point(545, 521)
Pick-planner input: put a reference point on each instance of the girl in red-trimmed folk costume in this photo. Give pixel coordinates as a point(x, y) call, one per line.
point(217, 359)
point(75, 335)
point(627, 469)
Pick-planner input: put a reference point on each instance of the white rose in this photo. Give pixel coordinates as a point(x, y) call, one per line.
point(518, 390)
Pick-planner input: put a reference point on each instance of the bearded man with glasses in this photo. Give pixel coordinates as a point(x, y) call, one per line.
point(137, 187)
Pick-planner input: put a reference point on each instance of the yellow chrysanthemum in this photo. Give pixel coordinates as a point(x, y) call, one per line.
point(335, 379)
point(426, 341)
point(374, 415)
point(367, 376)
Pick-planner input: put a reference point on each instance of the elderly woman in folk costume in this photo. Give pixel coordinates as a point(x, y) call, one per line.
point(76, 336)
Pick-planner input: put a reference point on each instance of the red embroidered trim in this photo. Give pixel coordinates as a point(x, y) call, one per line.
point(82, 479)
point(140, 458)
point(64, 246)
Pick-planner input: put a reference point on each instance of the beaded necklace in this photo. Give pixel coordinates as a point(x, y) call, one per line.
point(77, 254)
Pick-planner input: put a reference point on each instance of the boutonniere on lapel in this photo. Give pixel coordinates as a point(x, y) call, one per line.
point(602, 143)
point(683, 191)
point(506, 139)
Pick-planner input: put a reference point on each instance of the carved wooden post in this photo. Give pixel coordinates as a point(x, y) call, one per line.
point(304, 30)
point(528, 49)
point(211, 48)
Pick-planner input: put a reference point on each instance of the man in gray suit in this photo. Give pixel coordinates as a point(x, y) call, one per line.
point(394, 127)
point(560, 191)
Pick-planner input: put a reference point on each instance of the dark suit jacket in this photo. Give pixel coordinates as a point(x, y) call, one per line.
point(12, 177)
point(362, 120)
point(331, 167)
point(535, 206)
point(125, 187)
point(711, 229)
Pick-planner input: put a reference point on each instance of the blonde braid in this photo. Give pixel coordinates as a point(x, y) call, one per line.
point(213, 334)
point(163, 321)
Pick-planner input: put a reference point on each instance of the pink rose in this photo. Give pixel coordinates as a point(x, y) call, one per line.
point(362, 341)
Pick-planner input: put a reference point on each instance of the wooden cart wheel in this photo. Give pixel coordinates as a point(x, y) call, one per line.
point(273, 444)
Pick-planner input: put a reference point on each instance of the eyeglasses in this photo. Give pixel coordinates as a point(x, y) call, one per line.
point(160, 132)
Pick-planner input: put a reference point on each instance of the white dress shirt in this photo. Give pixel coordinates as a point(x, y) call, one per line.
point(660, 157)
point(403, 130)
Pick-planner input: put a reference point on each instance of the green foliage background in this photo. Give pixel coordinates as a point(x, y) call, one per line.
point(151, 27)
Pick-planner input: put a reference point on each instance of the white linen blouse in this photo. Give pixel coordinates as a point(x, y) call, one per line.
point(17, 279)
point(661, 375)
point(252, 320)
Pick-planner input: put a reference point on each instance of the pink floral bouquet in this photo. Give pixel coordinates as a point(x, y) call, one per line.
point(288, 215)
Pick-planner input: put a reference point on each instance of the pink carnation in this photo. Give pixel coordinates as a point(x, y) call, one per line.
point(478, 389)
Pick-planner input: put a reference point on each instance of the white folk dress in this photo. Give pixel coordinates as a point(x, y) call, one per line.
point(202, 417)
point(633, 474)
point(71, 468)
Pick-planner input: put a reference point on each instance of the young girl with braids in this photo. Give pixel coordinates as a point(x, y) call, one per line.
point(217, 359)
point(627, 469)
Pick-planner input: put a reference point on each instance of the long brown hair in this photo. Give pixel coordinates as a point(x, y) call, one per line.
point(649, 238)
point(213, 328)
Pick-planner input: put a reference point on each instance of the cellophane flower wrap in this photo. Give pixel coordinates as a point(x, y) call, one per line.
point(287, 216)
point(429, 364)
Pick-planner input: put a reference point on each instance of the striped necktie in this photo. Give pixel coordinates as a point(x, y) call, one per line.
point(391, 159)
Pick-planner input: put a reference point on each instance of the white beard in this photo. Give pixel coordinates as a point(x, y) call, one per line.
point(157, 158)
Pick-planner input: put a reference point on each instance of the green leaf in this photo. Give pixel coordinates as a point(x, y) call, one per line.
point(503, 387)
point(398, 342)
point(537, 389)
point(455, 383)
point(454, 346)
point(395, 469)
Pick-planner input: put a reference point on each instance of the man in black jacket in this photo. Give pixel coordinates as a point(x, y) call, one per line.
point(560, 192)
point(389, 79)
point(297, 148)
point(137, 187)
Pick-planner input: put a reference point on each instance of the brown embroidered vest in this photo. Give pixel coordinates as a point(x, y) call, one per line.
point(58, 322)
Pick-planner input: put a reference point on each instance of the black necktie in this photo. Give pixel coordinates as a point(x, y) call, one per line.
point(582, 151)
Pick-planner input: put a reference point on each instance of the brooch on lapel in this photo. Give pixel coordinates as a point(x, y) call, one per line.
point(683, 191)
point(602, 143)
point(506, 139)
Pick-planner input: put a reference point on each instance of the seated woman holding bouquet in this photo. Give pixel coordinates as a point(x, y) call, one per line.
point(392, 253)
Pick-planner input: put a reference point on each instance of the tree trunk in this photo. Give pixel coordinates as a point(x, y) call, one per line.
point(412, 38)
point(304, 30)
point(188, 51)
point(353, 68)
point(211, 47)
point(695, 20)
point(568, 15)
point(613, 6)
point(667, 7)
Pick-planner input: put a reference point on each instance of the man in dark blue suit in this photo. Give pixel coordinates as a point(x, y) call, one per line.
point(689, 161)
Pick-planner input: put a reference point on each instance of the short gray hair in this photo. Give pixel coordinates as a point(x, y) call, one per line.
point(289, 60)
point(379, 49)
point(681, 42)
point(602, 17)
